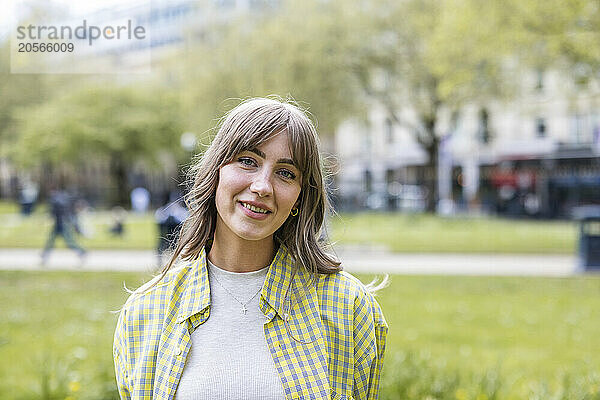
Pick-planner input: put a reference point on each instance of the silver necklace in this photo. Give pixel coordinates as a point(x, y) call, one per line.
point(244, 309)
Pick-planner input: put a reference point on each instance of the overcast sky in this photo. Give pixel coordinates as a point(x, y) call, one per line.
point(8, 8)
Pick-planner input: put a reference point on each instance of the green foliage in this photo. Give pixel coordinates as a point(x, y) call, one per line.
point(27, 91)
point(94, 122)
point(17, 91)
point(430, 54)
point(336, 58)
point(419, 59)
point(295, 50)
point(118, 126)
point(467, 50)
point(557, 34)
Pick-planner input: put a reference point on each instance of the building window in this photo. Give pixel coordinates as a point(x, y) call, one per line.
point(582, 129)
point(539, 84)
point(596, 131)
point(540, 127)
point(389, 130)
point(368, 181)
point(581, 74)
point(484, 126)
point(367, 138)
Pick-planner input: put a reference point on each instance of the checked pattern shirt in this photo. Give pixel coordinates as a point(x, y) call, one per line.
point(332, 346)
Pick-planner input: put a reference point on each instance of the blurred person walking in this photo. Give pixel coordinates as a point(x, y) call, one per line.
point(27, 197)
point(63, 212)
point(140, 199)
point(117, 227)
point(169, 218)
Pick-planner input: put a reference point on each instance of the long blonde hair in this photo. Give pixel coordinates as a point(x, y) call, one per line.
point(245, 127)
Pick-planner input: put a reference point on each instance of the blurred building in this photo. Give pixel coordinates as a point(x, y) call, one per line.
point(171, 24)
point(537, 155)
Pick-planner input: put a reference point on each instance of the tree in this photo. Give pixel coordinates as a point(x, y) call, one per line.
point(430, 55)
point(20, 90)
point(291, 50)
point(558, 34)
point(118, 124)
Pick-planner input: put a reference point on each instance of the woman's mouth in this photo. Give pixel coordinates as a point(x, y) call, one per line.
point(254, 211)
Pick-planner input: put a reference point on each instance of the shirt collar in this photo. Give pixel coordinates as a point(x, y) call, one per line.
point(196, 287)
point(277, 283)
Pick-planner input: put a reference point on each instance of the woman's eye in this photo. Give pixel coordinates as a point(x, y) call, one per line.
point(247, 162)
point(287, 174)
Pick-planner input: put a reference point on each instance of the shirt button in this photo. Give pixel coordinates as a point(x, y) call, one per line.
point(178, 351)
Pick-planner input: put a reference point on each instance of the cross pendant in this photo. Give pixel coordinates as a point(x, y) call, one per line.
point(244, 309)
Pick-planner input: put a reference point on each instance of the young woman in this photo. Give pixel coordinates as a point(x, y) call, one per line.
point(258, 310)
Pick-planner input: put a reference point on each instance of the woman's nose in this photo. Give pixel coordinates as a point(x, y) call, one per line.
point(261, 185)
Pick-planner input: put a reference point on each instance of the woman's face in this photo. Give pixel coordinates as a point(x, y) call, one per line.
point(257, 191)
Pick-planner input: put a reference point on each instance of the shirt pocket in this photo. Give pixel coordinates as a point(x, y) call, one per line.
point(336, 396)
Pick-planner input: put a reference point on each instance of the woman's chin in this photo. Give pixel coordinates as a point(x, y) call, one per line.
point(253, 235)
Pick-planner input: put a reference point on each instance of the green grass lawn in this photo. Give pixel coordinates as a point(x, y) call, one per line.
point(531, 332)
point(430, 233)
point(56, 333)
point(450, 337)
point(8, 207)
point(397, 232)
point(141, 231)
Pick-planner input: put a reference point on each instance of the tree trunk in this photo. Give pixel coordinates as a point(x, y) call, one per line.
point(118, 171)
point(431, 167)
point(47, 180)
point(431, 175)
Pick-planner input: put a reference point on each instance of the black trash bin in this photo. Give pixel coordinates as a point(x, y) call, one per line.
point(589, 242)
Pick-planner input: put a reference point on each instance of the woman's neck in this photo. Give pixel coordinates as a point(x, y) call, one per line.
point(242, 255)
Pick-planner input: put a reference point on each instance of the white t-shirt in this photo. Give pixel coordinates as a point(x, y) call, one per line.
point(229, 357)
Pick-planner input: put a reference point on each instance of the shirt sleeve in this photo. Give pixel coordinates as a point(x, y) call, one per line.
point(370, 333)
point(119, 356)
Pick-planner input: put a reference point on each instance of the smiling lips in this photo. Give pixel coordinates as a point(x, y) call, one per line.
point(254, 211)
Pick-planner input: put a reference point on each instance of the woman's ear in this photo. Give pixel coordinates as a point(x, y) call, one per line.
point(298, 201)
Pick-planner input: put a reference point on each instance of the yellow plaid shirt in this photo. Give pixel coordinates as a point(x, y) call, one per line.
point(332, 347)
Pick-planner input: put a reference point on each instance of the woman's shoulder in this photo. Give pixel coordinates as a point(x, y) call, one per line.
point(157, 291)
point(343, 284)
point(342, 290)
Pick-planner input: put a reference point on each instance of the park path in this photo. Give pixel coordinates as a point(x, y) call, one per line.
point(354, 259)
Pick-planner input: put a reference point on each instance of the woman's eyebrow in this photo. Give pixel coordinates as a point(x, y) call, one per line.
point(280, 161)
point(286, 161)
point(257, 152)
